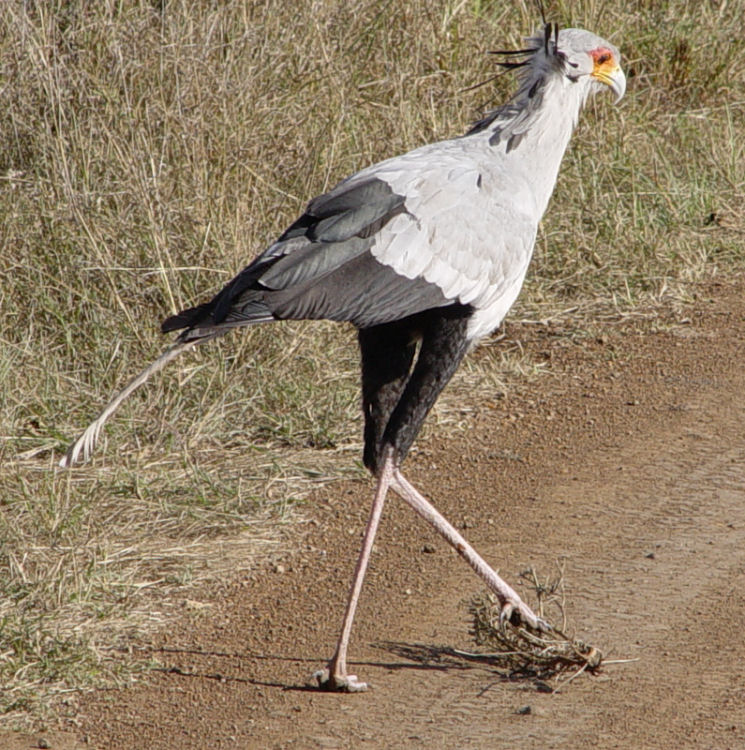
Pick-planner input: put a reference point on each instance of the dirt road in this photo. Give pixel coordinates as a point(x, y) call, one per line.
point(626, 463)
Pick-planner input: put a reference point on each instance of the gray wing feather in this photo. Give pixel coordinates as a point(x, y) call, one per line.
point(362, 291)
point(311, 261)
point(322, 267)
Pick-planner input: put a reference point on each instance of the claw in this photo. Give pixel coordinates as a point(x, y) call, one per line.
point(516, 612)
point(505, 616)
point(543, 625)
point(338, 683)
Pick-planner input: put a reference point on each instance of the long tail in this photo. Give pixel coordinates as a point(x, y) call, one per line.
point(85, 444)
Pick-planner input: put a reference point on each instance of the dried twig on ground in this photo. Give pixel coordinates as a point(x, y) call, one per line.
point(527, 652)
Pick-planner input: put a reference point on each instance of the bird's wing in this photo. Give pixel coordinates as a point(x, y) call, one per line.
point(418, 231)
point(321, 267)
point(469, 226)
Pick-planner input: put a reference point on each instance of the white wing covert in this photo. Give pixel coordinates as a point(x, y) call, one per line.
point(463, 228)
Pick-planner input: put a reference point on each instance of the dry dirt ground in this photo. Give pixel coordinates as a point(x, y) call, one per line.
point(626, 462)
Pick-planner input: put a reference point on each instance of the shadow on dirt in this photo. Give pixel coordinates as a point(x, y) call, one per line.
point(417, 656)
point(449, 659)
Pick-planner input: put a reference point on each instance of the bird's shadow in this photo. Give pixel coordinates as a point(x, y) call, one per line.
point(410, 656)
point(449, 659)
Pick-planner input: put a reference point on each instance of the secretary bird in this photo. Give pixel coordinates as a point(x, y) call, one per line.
point(424, 253)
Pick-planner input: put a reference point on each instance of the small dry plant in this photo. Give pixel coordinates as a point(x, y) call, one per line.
point(524, 651)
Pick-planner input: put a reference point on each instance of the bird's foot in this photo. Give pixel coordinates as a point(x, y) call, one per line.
point(516, 611)
point(340, 683)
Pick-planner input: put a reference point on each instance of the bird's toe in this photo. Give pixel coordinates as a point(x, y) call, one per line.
point(505, 616)
point(348, 683)
point(517, 612)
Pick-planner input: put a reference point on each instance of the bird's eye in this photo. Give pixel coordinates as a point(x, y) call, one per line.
point(603, 58)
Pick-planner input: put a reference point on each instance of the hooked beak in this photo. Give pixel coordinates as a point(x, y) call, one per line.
point(613, 77)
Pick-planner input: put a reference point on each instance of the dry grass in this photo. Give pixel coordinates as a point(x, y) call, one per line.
point(520, 651)
point(149, 149)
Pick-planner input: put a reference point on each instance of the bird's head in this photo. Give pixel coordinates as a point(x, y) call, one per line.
point(559, 66)
point(578, 56)
point(581, 55)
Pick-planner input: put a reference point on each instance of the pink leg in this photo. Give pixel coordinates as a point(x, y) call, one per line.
point(335, 676)
point(508, 597)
